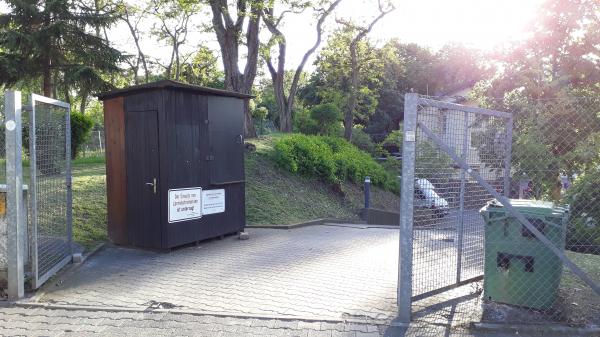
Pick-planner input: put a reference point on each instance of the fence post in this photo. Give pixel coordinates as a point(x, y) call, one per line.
point(463, 182)
point(69, 179)
point(406, 209)
point(367, 192)
point(14, 196)
point(507, 160)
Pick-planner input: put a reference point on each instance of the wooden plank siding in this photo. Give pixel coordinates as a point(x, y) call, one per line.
point(116, 188)
point(185, 157)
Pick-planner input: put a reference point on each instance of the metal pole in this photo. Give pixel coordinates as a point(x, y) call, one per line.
point(406, 208)
point(68, 179)
point(461, 226)
point(14, 196)
point(367, 192)
point(507, 160)
point(33, 195)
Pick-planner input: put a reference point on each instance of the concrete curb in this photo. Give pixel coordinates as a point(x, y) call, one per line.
point(315, 222)
point(360, 226)
point(51, 306)
point(537, 329)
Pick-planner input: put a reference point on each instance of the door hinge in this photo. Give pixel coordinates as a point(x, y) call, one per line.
point(210, 157)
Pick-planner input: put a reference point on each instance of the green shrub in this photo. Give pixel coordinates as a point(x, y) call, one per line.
point(393, 139)
point(332, 159)
point(307, 155)
point(363, 141)
point(81, 126)
point(260, 113)
point(584, 198)
point(326, 116)
point(303, 123)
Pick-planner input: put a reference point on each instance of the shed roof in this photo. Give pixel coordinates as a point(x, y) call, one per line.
point(164, 84)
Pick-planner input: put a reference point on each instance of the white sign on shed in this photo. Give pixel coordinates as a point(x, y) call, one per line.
point(213, 201)
point(185, 204)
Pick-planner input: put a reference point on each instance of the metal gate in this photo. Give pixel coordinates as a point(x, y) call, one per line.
point(455, 159)
point(50, 186)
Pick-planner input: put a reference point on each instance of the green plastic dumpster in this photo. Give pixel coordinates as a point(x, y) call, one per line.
point(519, 269)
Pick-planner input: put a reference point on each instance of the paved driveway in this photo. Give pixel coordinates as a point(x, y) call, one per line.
point(312, 281)
point(336, 272)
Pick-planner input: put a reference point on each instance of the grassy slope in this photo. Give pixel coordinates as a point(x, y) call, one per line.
point(275, 196)
point(89, 202)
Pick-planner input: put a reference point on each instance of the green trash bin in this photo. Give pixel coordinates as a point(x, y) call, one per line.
point(519, 269)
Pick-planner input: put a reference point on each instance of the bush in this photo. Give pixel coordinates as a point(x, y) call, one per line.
point(332, 159)
point(81, 126)
point(584, 198)
point(307, 155)
point(326, 116)
point(303, 123)
point(363, 141)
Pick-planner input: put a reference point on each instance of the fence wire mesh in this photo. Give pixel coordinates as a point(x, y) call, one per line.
point(51, 193)
point(460, 234)
point(95, 145)
point(448, 231)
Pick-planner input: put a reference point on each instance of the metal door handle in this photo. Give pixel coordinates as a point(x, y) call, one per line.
point(153, 184)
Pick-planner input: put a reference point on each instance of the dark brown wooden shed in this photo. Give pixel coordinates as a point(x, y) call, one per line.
point(174, 164)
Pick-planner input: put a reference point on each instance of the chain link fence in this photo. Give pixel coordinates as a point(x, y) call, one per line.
point(531, 260)
point(448, 231)
point(49, 151)
point(555, 159)
point(95, 145)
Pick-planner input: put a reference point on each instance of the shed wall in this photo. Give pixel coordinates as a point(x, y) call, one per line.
point(116, 177)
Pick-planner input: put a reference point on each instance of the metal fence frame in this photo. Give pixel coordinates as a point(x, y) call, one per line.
point(16, 223)
point(38, 279)
point(411, 124)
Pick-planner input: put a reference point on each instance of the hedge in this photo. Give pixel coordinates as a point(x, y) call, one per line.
point(332, 159)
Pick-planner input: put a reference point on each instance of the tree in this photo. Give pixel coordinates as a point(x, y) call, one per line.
point(331, 81)
point(132, 16)
point(361, 33)
point(550, 83)
point(202, 69)
point(457, 67)
point(229, 32)
point(51, 40)
point(406, 68)
point(285, 100)
point(563, 51)
point(173, 27)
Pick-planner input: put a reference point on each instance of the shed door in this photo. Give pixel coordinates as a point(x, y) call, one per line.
point(143, 214)
point(226, 130)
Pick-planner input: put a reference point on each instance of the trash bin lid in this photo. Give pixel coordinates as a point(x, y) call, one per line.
point(533, 207)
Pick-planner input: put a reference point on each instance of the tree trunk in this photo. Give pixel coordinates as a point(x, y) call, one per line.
point(249, 129)
point(349, 114)
point(228, 32)
point(47, 78)
point(84, 97)
point(285, 104)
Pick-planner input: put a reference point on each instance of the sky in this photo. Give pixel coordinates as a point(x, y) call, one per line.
point(482, 24)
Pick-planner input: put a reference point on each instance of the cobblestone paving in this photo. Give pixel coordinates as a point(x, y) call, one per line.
point(38, 322)
point(314, 281)
point(318, 271)
point(45, 322)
